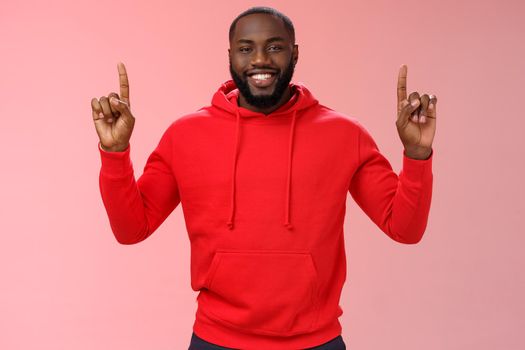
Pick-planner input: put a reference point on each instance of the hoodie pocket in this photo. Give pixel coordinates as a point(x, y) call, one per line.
point(263, 291)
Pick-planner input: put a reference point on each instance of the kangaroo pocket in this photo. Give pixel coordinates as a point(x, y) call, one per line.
point(262, 291)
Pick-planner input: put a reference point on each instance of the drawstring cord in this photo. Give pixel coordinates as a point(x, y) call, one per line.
point(230, 221)
point(287, 222)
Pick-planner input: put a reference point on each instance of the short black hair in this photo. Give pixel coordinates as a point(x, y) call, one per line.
point(268, 11)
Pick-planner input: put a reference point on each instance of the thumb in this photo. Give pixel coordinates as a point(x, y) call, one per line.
point(406, 111)
point(121, 106)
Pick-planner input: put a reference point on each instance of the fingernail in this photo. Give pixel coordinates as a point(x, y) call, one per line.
point(101, 116)
point(414, 103)
point(422, 119)
point(414, 118)
point(110, 120)
point(114, 101)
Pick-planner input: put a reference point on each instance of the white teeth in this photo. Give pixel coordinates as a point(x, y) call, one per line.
point(261, 76)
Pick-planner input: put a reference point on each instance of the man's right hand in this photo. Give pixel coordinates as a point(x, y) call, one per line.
point(112, 116)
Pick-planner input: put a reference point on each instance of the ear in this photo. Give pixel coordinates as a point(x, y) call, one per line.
point(295, 53)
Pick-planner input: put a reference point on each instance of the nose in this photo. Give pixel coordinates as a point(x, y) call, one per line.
point(260, 57)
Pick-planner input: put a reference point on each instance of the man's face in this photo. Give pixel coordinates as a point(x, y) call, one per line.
point(262, 59)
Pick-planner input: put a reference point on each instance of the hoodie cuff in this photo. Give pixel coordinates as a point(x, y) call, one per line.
point(115, 164)
point(415, 170)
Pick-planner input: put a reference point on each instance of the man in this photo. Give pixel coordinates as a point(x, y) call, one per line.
point(262, 175)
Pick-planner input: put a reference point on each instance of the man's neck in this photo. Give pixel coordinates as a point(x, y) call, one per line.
point(284, 98)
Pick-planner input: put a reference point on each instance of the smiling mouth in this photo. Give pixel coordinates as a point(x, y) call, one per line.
point(261, 80)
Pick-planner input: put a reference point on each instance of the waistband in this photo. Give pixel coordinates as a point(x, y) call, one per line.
point(198, 343)
point(217, 333)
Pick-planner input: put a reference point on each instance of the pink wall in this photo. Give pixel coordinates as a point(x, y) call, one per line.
point(67, 284)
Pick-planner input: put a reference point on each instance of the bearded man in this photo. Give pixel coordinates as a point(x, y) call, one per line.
point(262, 175)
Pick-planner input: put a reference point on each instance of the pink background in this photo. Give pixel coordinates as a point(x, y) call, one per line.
point(67, 284)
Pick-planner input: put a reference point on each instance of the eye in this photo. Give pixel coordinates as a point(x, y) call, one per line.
point(275, 48)
point(244, 49)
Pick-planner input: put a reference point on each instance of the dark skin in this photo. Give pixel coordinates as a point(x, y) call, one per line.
point(416, 119)
point(261, 43)
point(252, 47)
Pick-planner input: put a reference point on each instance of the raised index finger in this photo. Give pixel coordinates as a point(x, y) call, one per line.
point(402, 84)
point(123, 81)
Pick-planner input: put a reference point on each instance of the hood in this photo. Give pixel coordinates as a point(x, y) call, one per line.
point(226, 99)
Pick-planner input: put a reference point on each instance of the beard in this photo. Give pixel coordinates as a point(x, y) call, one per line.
point(264, 101)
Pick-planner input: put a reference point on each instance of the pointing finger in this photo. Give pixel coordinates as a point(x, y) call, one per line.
point(123, 82)
point(402, 84)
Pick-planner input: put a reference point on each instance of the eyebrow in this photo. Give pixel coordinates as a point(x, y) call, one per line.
point(271, 40)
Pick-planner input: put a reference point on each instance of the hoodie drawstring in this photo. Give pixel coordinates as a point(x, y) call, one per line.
point(287, 222)
point(230, 221)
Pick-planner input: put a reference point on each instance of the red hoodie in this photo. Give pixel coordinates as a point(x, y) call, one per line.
point(263, 198)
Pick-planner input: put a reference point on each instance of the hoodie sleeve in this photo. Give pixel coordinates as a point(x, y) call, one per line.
point(398, 205)
point(137, 208)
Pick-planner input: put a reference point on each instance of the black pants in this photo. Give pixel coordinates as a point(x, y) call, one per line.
point(200, 344)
